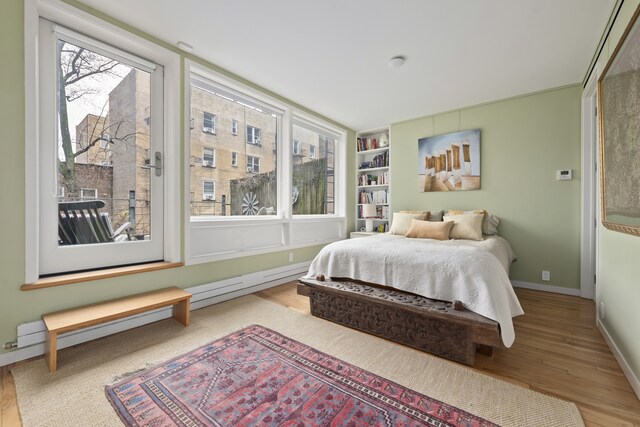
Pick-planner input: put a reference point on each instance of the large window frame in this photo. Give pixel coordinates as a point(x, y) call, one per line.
point(96, 29)
point(252, 235)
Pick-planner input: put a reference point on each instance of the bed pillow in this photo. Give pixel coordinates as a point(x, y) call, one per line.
point(435, 216)
point(467, 226)
point(489, 222)
point(402, 221)
point(429, 230)
point(490, 225)
point(425, 213)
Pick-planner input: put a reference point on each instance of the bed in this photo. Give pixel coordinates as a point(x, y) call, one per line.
point(472, 272)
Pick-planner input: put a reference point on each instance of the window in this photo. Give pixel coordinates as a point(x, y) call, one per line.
point(88, 193)
point(234, 127)
point(105, 126)
point(253, 135)
point(240, 189)
point(262, 199)
point(209, 158)
point(208, 123)
point(296, 147)
point(316, 176)
point(208, 190)
point(60, 193)
point(253, 164)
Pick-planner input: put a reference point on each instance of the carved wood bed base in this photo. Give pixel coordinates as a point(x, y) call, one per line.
point(425, 324)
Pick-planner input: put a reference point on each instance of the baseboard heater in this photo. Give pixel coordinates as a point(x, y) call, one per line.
point(31, 336)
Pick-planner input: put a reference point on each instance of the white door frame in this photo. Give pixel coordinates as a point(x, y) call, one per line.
point(590, 194)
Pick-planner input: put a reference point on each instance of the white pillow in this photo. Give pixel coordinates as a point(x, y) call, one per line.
point(468, 226)
point(490, 225)
point(402, 221)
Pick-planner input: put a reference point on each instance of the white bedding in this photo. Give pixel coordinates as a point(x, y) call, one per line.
point(474, 272)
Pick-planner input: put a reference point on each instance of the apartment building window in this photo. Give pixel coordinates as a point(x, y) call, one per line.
point(234, 127)
point(253, 164)
point(104, 143)
point(253, 135)
point(208, 123)
point(208, 190)
point(296, 147)
point(209, 157)
point(60, 192)
point(312, 152)
point(234, 159)
point(88, 193)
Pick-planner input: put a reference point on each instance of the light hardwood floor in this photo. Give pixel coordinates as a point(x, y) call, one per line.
point(558, 351)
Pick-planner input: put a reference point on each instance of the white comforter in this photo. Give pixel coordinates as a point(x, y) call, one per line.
point(474, 272)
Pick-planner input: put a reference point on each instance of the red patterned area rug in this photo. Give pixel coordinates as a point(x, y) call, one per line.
point(258, 377)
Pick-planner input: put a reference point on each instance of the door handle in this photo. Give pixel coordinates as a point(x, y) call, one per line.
point(157, 166)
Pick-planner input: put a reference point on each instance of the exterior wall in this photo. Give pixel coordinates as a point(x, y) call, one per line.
point(89, 131)
point(128, 123)
point(91, 176)
point(224, 142)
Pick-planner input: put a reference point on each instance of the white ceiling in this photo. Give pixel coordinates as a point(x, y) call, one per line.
point(331, 55)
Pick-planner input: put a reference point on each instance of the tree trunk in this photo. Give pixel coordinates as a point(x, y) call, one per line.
point(67, 167)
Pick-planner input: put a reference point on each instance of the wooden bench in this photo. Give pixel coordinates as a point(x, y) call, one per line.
point(95, 314)
point(422, 323)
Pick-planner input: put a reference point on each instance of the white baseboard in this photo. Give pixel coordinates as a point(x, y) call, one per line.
point(31, 336)
point(545, 288)
point(631, 376)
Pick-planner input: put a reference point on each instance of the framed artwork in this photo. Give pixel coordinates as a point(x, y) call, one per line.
point(619, 99)
point(449, 162)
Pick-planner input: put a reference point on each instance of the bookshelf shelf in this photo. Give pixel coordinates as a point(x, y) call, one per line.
point(373, 152)
point(374, 186)
point(384, 168)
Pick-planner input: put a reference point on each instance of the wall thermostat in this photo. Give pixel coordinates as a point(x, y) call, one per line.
point(564, 175)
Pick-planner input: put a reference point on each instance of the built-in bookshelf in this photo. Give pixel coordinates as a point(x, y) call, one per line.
point(373, 177)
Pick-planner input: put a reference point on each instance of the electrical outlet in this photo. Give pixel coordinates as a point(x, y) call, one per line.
point(601, 311)
point(546, 275)
point(290, 256)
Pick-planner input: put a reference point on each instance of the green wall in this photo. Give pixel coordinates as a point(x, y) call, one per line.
point(523, 141)
point(17, 306)
point(618, 286)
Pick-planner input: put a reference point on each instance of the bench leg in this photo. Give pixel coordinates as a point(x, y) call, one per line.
point(51, 351)
point(182, 312)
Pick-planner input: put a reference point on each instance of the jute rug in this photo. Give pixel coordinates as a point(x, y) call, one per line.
point(74, 395)
point(258, 377)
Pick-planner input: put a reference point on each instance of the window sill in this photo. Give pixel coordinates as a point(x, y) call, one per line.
point(66, 279)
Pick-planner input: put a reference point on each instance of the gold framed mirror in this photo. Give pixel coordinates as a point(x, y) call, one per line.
point(619, 107)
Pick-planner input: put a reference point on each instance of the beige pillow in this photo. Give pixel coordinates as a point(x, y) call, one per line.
point(489, 222)
point(425, 213)
point(429, 230)
point(402, 221)
point(467, 226)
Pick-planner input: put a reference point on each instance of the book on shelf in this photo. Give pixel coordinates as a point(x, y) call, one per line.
point(365, 144)
point(378, 197)
point(374, 179)
point(379, 161)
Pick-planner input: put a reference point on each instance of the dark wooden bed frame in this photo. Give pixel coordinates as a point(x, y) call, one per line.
point(425, 324)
